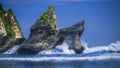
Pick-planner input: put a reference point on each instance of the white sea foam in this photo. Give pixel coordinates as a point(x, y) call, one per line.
point(12, 50)
point(92, 58)
point(64, 48)
point(60, 49)
point(111, 47)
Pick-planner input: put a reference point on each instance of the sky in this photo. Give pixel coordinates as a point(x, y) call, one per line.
point(102, 17)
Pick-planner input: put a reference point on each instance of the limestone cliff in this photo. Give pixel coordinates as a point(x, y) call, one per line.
point(45, 35)
point(2, 29)
point(10, 32)
point(13, 23)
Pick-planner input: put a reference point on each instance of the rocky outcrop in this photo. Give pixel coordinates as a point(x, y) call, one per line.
point(73, 34)
point(2, 28)
point(14, 23)
point(10, 32)
point(45, 35)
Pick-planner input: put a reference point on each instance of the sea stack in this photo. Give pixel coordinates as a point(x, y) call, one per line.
point(10, 32)
point(45, 35)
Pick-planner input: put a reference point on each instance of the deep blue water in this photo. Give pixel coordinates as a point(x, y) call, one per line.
point(62, 57)
point(91, 60)
point(110, 63)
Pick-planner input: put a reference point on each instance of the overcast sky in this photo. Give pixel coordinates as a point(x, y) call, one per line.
point(102, 17)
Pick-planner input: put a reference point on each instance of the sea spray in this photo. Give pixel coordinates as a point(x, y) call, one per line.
point(64, 48)
point(62, 53)
point(60, 49)
point(112, 47)
point(115, 46)
point(12, 50)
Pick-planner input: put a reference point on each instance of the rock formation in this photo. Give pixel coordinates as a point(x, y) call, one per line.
point(45, 35)
point(10, 32)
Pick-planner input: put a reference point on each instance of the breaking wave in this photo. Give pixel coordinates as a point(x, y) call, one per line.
point(61, 58)
point(113, 47)
point(12, 50)
point(60, 49)
point(64, 48)
point(62, 53)
point(55, 57)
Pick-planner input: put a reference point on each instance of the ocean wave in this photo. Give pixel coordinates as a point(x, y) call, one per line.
point(12, 50)
point(60, 49)
point(62, 58)
point(112, 47)
point(64, 49)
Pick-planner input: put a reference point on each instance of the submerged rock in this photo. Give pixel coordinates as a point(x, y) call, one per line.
point(45, 35)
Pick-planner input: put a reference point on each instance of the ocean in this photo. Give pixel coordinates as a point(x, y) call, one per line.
point(62, 57)
point(110, 60)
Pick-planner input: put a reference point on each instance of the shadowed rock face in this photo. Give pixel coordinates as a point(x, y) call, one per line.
point(48, 40)
point(45, 35)
point(73, 34)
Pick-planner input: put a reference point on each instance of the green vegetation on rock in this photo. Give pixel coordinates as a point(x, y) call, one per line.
point(15, 18)
point(8, 28)
point(7, 21)
point(11, 12)
point(52, 23)
point(47, 16)
point(50, 9)
point(10, 32)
